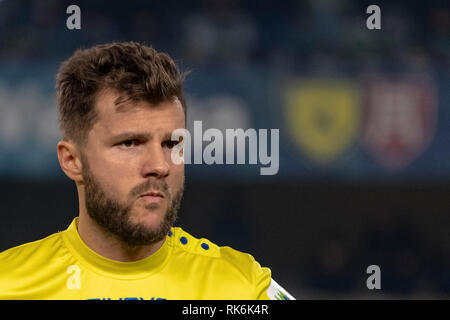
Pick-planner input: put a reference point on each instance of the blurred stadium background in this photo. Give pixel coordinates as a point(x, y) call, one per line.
point(364, 131)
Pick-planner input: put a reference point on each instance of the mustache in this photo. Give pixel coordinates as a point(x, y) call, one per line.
point(159, 185)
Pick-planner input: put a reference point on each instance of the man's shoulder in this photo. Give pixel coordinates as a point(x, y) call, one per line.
point(31, 266)
point(36, 251)
point(225, 256)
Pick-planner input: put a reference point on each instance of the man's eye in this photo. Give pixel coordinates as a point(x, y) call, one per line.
point(129, 143)
point(170, 144)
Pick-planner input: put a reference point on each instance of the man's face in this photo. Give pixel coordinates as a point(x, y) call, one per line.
point(132, 187)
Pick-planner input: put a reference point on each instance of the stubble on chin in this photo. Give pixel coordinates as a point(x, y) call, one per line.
point(115, 218)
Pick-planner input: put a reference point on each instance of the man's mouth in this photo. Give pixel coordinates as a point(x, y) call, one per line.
point(152, 196)
point(153, 193)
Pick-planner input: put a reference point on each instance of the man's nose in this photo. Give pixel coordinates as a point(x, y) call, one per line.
point(155, 162)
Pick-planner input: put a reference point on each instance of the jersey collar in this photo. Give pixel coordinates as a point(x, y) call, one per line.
point(111, 268)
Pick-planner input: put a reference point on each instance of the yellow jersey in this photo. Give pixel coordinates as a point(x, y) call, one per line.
point(62, 266)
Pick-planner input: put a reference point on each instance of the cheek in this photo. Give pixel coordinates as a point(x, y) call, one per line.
point(177, 176)
point(115, 177)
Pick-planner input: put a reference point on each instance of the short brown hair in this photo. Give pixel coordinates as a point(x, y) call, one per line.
point(135, 71)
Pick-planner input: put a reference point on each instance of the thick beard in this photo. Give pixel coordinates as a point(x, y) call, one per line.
point(114, 217)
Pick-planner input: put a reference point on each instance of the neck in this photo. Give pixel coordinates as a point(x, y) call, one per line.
point(108, 245)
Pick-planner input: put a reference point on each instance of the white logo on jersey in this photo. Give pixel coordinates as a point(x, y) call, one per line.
point(74, 281)
point(276, 292)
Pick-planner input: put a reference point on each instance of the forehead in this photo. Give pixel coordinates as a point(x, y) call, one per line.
point(113, 117)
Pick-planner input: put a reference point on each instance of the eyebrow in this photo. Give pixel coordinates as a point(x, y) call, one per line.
point(131, 136)
point(137, 136)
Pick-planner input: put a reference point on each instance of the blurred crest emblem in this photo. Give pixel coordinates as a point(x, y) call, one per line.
point(322, 117)
point(399, 119)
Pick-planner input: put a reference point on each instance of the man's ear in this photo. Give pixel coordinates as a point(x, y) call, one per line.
point(70, 160)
